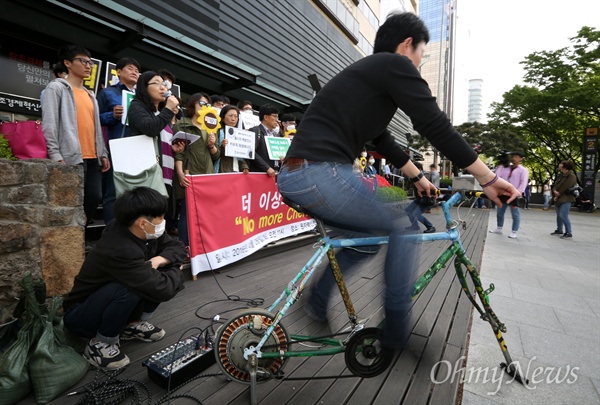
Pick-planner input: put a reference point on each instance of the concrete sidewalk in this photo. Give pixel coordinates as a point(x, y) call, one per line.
point(548, 295)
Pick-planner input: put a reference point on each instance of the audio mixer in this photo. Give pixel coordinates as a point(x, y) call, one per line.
point(180, 361)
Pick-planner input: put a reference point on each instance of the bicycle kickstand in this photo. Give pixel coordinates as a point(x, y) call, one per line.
point(253, 369)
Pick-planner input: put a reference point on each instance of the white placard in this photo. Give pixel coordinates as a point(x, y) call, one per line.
point(133, 154)
point(240, 143)
point(249, 120)
point(191, 138)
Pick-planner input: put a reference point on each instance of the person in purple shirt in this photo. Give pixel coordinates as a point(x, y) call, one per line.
point(518, 176)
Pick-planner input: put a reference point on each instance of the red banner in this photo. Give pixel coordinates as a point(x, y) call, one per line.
point(232, 215)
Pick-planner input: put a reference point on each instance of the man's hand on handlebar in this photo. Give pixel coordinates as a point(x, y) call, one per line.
point(501, 187)
point(425, 187)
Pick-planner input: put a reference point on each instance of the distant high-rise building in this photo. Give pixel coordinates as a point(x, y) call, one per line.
point(475, 100)
point(438, 62)
point(437, 66)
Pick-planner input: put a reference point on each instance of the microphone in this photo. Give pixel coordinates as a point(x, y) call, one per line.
point(168, 94)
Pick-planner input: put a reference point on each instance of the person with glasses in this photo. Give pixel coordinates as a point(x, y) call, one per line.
point(150, 113)
point(244, 106)
point(199, 157)
point(110, 102)
point(71, 125)
point(269, 126)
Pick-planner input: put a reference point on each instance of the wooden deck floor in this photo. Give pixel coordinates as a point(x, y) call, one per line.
point(441, 319)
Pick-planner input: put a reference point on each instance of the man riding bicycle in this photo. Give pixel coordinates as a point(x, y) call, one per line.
point(317, 172)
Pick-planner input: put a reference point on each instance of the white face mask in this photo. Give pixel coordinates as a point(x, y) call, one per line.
point(291, 127)
point(168, 84)
point(364, 154)
point(371, 161)
point(159, 229)
point(276, 130)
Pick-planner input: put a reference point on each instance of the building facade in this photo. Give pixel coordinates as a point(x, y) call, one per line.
point(437, 67)
point(263, 50)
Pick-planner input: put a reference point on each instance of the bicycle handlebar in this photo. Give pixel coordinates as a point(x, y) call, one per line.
point(517, 202)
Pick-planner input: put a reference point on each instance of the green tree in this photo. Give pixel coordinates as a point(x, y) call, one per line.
point(560, 99)
point(490, 142)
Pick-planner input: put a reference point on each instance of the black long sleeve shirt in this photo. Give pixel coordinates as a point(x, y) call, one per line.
point(357, 105)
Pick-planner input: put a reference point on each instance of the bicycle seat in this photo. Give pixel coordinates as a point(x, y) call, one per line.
point(304, 211)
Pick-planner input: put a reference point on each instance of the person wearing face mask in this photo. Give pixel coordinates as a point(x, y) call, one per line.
point(132, 269)
point(287, 126)
point(370, 170)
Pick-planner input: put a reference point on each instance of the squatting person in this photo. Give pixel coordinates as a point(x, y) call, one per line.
point(133, 267)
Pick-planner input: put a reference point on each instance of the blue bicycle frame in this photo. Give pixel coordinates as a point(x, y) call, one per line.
point(252, 353)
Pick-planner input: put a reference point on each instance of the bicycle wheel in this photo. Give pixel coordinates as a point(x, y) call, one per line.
point(364, 355)
point(243, 330)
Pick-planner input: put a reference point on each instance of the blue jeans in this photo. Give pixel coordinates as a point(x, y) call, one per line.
point(334, 193)
point(547, 200)
point(415, 213)
point(106, 312)
point(516, 216)
point(562, 217)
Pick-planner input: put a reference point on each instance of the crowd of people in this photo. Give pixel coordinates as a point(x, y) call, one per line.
point(78, 127)
point(135, 264)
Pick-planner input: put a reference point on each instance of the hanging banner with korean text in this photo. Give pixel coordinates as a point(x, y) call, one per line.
point(232, 215)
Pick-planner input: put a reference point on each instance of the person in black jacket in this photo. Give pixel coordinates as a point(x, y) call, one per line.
point(133, 267)
point(317, 171)
point(269, 123)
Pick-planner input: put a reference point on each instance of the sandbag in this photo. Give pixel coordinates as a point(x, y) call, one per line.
point(54, 367)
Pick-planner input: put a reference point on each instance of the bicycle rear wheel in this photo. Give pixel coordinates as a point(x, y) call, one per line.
point(364, 355)
point(243, 330)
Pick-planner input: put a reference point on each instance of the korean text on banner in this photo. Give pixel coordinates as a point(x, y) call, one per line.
point(232, 215)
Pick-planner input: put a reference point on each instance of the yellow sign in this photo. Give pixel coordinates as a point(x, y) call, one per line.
point(591, 131)
point(209, 119)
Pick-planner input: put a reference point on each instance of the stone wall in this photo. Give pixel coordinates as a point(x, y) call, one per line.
point(41, 226)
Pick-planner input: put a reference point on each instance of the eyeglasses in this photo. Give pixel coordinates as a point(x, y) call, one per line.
point(160, 84)
point(202, 103)
point(276, 116)
point(84, 62)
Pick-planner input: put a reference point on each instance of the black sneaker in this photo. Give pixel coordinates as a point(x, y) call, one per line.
point(557, 232)
point(144, 331)
point(566, 235)
point(105, 355)
point(429, 230)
